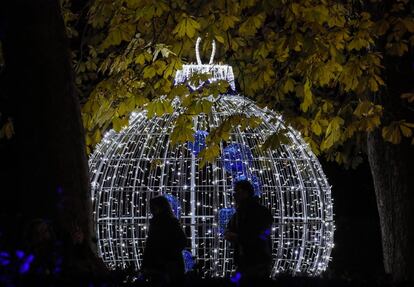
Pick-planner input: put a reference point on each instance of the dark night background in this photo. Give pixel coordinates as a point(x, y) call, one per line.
point(357, 253)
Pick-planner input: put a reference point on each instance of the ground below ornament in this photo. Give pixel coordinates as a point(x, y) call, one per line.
point(289, 181)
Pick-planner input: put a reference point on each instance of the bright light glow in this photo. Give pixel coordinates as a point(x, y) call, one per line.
point(130, 167)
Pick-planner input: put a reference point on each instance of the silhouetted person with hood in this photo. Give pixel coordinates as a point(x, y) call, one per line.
point(249, 231)
point(163, 261)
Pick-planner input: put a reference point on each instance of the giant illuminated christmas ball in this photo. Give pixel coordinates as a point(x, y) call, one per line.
point(130, 167)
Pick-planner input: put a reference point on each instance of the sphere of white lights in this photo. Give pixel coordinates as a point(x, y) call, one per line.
point(130, 167)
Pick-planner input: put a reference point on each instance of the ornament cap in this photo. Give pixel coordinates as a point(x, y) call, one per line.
point(197, 50)
point(218, 71)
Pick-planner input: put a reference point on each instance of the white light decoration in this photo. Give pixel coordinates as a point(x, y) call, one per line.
point(130, 167)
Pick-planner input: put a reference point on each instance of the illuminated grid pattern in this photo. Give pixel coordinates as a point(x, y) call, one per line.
point(130, 167)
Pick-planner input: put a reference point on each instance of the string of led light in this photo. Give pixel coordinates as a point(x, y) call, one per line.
point(130, 167)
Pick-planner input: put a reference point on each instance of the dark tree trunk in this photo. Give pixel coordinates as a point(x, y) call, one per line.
point(392, 172)
point(47, 172)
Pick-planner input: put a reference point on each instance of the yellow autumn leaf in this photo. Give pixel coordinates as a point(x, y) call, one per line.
point(392, 133)
point(96, 137)
point(316, 128)
point(333, 133)
point(406, 131)
point(350, 75)
point(183, 130)
point(289, 85)
point(307, 97)
point(149, 72)
point(228, 21)
point(358, 43)
point(7, 130)
point(382, 26)
point(275, 140)
point(159, 108)
point(209, 154)
point(219, 38)
point(282, 49)
point(119, 123)
point(397, 48)
point(408, 96)
point(252, 24)
point(409, 24)
point(187, 26)
point(313, 145)
point(118, 33)
point(363, 108)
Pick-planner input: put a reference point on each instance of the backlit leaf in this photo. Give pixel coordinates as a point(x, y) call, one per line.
point(392, 133)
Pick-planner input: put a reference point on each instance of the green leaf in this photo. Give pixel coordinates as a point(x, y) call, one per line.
point(96, 137)
point(382, 27)
point(183, 130)
point(408, 96)
point(350, 75)
point(219, 38)
point(397, 48)
point(406, 131)
point(363, 108)
point(411, 125)
point(307, 97)
point(119, 123)
point(140, 59)
point(200, 106)
point(332, 133)
point(316, 128)
point(149, 72)
point(7, 130)
point(392, 133)
point(313, 145)
point(252, 24)
point(178, 91)
point(375, 82)
point(282, 49)
point(409, 24)
point(164, 50)
point(275, 140)
point(186, 26)
point(209, 154)
point(159, 108)
point(119, 33)
point(360, 42)
point(228, 21)
point(289, 85)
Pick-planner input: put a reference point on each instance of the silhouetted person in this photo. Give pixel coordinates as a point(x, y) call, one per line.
point(249, 231)
point(163, 260)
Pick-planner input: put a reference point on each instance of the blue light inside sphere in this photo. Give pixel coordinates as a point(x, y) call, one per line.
point(224, 215)
point(236, 158)
point(254, 180)
point(188, 260)
point(199, 142)
point(175, 204)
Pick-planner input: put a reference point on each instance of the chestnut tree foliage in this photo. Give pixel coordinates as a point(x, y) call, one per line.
point(331, 68)
point(316, 62)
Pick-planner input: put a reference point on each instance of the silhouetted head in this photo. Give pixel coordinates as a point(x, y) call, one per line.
point(160, 206)
point(243, 190)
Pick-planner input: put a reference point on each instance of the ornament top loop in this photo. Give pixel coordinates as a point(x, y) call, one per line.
point(197, 50)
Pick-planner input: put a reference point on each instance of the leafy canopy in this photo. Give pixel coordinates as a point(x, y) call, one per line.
point(320, 63)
